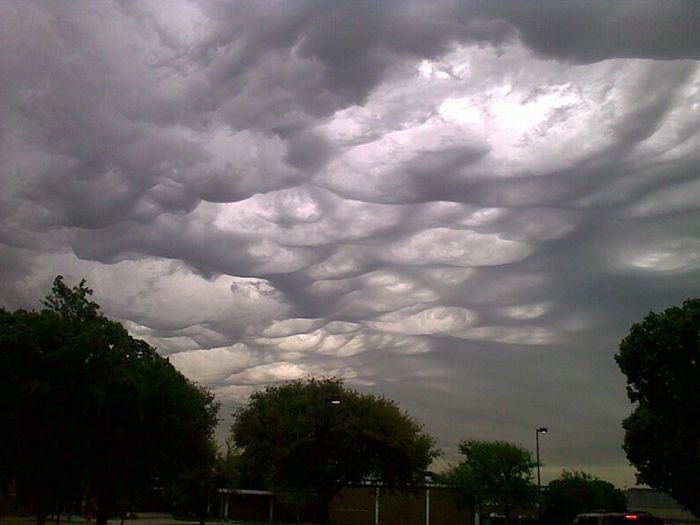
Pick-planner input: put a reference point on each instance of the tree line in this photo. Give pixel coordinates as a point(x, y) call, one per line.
point(87, 409)
point(499, 475)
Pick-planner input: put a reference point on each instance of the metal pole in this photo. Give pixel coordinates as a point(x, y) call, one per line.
point(541, 430)
point(376, 506)
point(539, 504)
point(427, 505)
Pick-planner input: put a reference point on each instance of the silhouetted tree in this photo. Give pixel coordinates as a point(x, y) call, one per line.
point(576, 492)
point(298, 439)
point(496, 473)
point(193, 487)
point(46, 387)
point(92, 407)
point(228, 470)
point(661, 359)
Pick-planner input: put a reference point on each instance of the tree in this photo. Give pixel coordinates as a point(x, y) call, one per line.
point(92, 408)
point(320, 435)
point(71, 303)
point(661, 359)
point(191, 490)
point(576, 492)
point(229, 467)
point(495, 473)
point(45, 386)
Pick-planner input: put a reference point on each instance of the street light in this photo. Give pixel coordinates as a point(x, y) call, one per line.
point(335, 399)
point(541, 430)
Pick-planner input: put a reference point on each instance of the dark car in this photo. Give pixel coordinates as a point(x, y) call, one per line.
point(617, 518)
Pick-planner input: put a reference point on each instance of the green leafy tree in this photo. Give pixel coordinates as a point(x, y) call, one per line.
point(195, 484)
point(298, 439)
point(229, 467)
point(72, 303)
point(92, 408)
point(576, 492)
point(494, 473)
point(6, 397)
point(45, 388)
point(661, 359)
point(151, 424)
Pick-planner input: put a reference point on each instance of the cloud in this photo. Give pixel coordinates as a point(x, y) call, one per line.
point(214, 364)
point(587, 32)
point(460, 205)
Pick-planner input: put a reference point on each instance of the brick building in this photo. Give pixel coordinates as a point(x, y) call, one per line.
point(360, 505)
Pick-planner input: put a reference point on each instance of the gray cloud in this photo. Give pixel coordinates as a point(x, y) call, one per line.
point(461, 205)
point(587, 32)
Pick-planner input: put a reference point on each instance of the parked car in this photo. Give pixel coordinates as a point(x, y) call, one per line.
point(617, 518)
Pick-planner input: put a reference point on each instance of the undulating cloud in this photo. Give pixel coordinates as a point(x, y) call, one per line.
point(460, 205)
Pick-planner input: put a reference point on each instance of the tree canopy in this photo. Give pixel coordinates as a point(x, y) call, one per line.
point(495, 473)
point(661, 359)
point(90, 408)
point(577, 492)
point(318, 435)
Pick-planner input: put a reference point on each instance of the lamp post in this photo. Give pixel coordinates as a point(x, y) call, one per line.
point(541, 430)
point(323, 431)
point(335, 399)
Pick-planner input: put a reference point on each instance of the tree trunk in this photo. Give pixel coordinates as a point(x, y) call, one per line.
point(104, 509)
point(506, 511)
point(59, 508)
point(204, 508)
point(324, 500)
point(41, 508)
point(102, 516)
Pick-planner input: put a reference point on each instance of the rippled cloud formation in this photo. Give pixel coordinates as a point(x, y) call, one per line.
point(460, 205)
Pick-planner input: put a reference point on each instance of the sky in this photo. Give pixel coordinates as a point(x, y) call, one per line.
point(460, 205)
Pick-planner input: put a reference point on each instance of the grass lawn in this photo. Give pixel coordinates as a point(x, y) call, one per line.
point(11, 520)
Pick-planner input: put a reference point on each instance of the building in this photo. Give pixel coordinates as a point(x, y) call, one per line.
point(371, 504)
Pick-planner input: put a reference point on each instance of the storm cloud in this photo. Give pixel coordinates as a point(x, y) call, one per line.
point(461, 205)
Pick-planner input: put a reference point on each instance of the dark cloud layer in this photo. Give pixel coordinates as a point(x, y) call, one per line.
point(461, 205)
